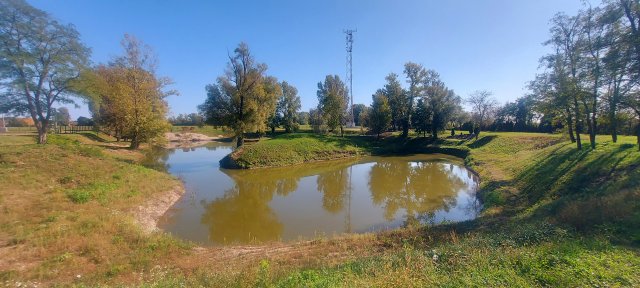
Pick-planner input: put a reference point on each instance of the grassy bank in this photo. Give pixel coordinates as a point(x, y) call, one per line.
point(65, 211)
point(554, 216)
point(289, 149)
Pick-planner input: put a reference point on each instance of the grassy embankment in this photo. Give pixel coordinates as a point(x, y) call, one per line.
point(65, 211)
point(554, 216)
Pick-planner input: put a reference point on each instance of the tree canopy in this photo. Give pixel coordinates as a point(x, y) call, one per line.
point(40, 59)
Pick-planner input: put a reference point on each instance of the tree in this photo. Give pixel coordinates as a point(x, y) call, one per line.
point(415, 74)
point(566, 39)
point(380, 114)
point(363, 118)
point(422, 117)
point(84, 121)
point(128, 96)
point(316, 121)
point(243, 98)
point(303, 118)
point(61, 116)
point(289, 106)
point(398, 102)
point(332, 102)
point(39, 60)
point(443, 103)
point(357, 109)
point(482, 105)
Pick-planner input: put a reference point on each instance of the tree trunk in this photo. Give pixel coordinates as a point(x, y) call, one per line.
point(638, 135)
point(239, 140)
point(590, 130)
point(405, 128)
point(578, 125)
point(341, 131)
point(42, 135)
point(570, 124)
point(135, 143)
point(614, 124)
point(273, 130)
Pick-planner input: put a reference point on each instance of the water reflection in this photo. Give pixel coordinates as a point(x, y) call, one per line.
point(415, 187)
point(157, 158)
point(242, 215)
point(249, 206)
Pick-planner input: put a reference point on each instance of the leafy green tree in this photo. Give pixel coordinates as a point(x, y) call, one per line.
point(415, 74)
point(39, 60)
point(333, 102)
point(357, 109)
point(303, 118)
point(422, 117)
point(380, 114)
point(84, 121)
point(442, 102)
point(61, 116)
point(363, 117)
point(398, 101)
point(129, 95)
point(243, 98)
point(288, 106)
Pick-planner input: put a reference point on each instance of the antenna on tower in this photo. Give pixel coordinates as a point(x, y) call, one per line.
point(349, 78)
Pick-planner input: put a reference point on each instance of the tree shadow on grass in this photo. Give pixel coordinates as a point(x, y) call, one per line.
point(482, 141)
point(570, 177)
point(94, 137)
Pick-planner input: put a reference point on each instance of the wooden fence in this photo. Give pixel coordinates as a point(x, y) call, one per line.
point(54, 129)
point(72, 129)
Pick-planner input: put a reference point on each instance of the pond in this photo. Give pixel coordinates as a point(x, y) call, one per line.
point(224, 207)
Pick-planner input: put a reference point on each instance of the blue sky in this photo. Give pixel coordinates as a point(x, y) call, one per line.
point(473, 44)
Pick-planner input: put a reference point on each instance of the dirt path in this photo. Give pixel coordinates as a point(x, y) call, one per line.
point(188, 139)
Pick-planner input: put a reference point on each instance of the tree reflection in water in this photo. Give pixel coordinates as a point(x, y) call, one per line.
point(418, 188)
point(333, 186)
point(242, 215)
point(156, 158)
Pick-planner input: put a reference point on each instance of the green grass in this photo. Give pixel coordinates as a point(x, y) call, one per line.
point(65, 211)
point(289, 149)
point(554, 217)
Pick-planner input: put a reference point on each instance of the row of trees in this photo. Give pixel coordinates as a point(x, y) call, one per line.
point(594, 69)
point(191, 119)
point(43, 63)
point(245, 99)
point(426, 105)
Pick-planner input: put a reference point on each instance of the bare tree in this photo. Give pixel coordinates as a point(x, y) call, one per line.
point(482, 105)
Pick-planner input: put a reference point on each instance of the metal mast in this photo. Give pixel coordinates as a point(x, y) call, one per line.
point(349, 78)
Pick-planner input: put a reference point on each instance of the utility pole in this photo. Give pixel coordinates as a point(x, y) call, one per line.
point(349, 78)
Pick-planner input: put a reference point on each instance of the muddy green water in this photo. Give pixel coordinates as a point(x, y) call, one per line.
point(223, 207)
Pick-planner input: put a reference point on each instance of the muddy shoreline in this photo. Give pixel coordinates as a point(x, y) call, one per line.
point(148, 214)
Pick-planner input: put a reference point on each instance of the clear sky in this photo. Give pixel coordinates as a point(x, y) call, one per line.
point(473, 44)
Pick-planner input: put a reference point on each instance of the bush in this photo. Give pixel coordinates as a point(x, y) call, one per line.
point(79, 196)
